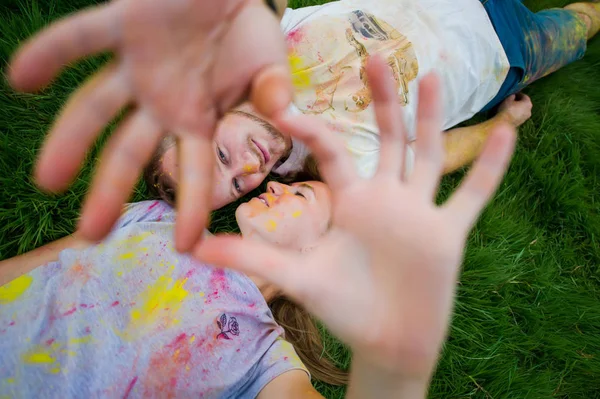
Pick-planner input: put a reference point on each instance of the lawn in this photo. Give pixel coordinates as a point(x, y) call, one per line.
point(527, 319)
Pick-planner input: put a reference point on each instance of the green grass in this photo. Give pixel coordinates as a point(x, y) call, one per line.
point(527, 320)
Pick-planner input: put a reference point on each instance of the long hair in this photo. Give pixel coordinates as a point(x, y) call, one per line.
point(302, 332)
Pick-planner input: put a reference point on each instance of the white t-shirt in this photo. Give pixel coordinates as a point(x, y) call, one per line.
point(329, 46)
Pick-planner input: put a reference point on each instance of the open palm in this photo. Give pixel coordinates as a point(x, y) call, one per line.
point(181, 64)
point(383, 278)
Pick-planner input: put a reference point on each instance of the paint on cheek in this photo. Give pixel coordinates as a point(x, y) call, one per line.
point(296, 214)
point(13, 290)
point(271, 226)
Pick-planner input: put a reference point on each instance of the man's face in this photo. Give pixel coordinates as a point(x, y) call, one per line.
point(245, 148)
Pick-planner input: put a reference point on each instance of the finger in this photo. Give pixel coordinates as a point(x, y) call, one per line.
point(388, 113)
point(485, 176)
point(121, 164)
point(252, 258)
point(272, 90)
point(335, 164)
point(429, 148)
point(258, 64)
point(87, 32)
point(195, 189)
point(87, 112)
point(512, 97)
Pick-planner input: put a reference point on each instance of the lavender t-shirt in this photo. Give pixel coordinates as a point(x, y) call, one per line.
point(131, 317)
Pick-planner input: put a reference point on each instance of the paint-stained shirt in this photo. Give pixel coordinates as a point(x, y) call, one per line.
point(330, 44)
point(131, 317)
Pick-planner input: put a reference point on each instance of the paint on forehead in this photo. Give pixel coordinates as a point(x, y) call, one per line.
point(271, 226)
point(296, 214)
point(13, 290)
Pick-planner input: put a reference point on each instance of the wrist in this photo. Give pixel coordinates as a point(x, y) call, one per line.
point(505, 117)
point(368, 380)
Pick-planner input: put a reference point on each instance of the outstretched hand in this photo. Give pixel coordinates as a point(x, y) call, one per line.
point(383, 278)
point(181, 64)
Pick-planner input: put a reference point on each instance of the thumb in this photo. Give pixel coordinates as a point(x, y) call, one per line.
point(272, 90)
point(252, 258)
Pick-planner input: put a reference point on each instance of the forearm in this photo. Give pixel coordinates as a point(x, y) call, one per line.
point(368, 381)
point(14, 267)
point(463, 145)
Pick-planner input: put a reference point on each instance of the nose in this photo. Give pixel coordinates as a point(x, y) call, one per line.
point(250, 166)
point(276, 188)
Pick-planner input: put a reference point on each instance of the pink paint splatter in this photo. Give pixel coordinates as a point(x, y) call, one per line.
point(83, 305)
point(295, 36)
point(217, 282)
point(50, 341)
point(153, 205)
point(130, 387)
point(87, 330)
point(115, 303)
point(70, 312)
point(252, 305)
point(12, 323)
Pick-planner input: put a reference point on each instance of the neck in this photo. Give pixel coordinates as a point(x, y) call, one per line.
point(268, 290)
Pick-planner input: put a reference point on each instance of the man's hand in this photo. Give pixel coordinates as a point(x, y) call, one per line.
point(181, 64)
point(383, 279)
point(516, 109)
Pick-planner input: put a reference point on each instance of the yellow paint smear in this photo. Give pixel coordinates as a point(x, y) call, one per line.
point(159, 301)
point(135, 239)
point(13, 290)
point(271, 226)
point(296, 214)
point(126, 256)
point(300, 74)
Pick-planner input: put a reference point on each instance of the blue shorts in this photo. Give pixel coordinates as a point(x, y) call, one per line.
point(536, 44)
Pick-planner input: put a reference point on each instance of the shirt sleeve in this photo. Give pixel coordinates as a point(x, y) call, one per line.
point(145, 211)
point(280, 358)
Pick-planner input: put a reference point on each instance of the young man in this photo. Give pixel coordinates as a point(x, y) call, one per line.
point(483, 52)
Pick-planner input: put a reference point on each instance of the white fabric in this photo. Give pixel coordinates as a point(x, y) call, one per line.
point(329, 45)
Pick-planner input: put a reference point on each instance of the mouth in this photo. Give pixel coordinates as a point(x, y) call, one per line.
point(263, 198)
point(265, 153)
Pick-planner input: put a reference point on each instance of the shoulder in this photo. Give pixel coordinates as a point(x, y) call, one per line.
point(290, 385)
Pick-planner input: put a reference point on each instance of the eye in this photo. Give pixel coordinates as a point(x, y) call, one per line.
point(299, 194)
point(221, 156)
point(236, 186)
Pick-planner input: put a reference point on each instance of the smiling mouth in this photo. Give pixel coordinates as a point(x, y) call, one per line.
point(265, 153)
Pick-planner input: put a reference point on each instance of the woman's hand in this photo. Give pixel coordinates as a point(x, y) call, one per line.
point(383, 278)
point(516, 109)
point(181, 64)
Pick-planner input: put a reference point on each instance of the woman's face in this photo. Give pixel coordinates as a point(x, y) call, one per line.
point(293, 216)
point(245, 149)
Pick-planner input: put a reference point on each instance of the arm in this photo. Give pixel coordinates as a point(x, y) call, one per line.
point(293, 384)
point(463, 145)
point(14, 267)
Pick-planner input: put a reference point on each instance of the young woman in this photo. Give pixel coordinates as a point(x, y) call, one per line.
point(130, 317)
